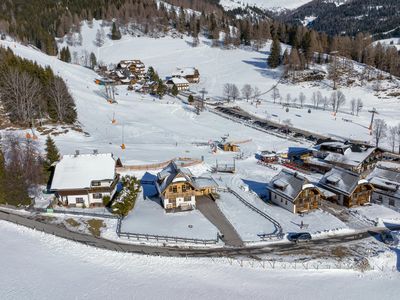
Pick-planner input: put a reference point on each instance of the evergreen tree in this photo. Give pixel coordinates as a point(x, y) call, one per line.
point(93, 60)
point(52, 156)
point(174, 90)
point(190, 99)
point(115, 33)
point(161, 89)
point(274, 59)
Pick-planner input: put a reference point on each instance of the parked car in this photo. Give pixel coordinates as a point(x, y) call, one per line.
point(299, 237)
point(389, 238)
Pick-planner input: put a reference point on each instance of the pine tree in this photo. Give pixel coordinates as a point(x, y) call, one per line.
point(52, 153)
point(174, 90)
point(115, 33)
point(190, 99)
point(274, 58)
point(93, 60)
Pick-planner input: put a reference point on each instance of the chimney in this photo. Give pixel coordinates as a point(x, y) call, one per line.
point(95, 151)
point(76, 153)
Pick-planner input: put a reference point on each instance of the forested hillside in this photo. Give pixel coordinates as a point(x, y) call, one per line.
point(29, 92)
point(378, 17)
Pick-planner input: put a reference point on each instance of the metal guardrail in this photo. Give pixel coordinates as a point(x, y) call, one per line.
point(162, 238)
point(278, 228)
point(72, 212)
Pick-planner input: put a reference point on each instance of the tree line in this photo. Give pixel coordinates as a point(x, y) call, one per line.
point(23, 169)
point(30, 93)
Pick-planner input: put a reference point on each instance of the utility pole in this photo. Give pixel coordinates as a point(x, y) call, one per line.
point(373, 112)
point(203, 92)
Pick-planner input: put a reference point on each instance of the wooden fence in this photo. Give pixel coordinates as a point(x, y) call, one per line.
point(163, 238)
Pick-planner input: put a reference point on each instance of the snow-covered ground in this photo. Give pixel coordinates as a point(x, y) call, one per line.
point(376, 213)
point(39, 266)
point(149, 217)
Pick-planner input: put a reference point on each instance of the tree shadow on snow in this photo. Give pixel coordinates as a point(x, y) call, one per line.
point(261, 66)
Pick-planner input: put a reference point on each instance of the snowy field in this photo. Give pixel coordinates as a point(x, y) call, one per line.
point(39, 266)
point(149, 217)
point(376, 213)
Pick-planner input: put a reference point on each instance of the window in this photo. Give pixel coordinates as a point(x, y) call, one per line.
point(174, 189)
point(281, 200)
point(79, 200)
point(285, 202)
point(97, 196)
point(184, 188)
point(275, 196)
point(391, 202)
point(170, 189)
point(96, 183)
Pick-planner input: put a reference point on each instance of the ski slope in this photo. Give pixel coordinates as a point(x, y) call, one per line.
point(265, 4)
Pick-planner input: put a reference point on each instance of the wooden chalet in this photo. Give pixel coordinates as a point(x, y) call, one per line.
point(181, 83)
point(230, 147)
point(385, 179)
point(294, 192)
point(349, 189)
point(178, 188)
point(83, 180)
point(191, 74)
point(355, 158)
point(135, 66)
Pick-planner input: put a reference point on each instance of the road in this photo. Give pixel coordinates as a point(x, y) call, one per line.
point(212, 212)
point(248, 251)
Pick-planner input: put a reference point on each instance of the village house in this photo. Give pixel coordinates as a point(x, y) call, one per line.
point(385, 179)
point(349, 188)
point(83, 180)
point(181, 83)
point(178, 188)
point(351, 157)
point(191, 74)
point(135, 66)
point(294, 192)
point(229, 147)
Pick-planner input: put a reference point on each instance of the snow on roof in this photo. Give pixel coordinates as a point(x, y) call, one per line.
point(78, 171)
point(340, 180)
point(169, 173)
point(188, 71)
point(289, 184)
point(204, 182)
point(351, 158)
point(178, 80)
point(385, 179)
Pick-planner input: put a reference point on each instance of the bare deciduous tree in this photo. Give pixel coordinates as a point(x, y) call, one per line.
point(247, 91)
point(353, 104)
point(231, 91)
point(61, 98)
point(392, 136)
point(20, 93)
point(288, 99)
point(379, 130)
point(275, 94)
point(314, 100)
point(256, 93)
point(359, 105)
point(302, 99)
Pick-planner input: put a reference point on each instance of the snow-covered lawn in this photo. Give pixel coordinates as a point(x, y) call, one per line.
point(149, 217)
point(376, 213)
point(246, 222)
point(316, 222)
point(40, 266)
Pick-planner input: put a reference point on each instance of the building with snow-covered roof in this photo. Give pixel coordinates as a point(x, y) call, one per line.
point(293, 192)
point(349, 156)
point(178, 188)
point(181, 83)
point(348, 186)
point(83, 180)
point(386, 183)
point(191, 74)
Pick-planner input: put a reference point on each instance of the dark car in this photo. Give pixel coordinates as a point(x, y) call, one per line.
point(299, 237)
point(389, 238)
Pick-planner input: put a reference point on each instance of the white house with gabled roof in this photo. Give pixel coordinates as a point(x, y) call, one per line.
point(83, 180)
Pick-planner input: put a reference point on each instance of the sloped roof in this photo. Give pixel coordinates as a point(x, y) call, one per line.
point(385, 179)
point(178, 80)
point(188, 71)
point(288, 184)
point(350, 157)
point(340, 180)
point(78, 171)
point(169, 173)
